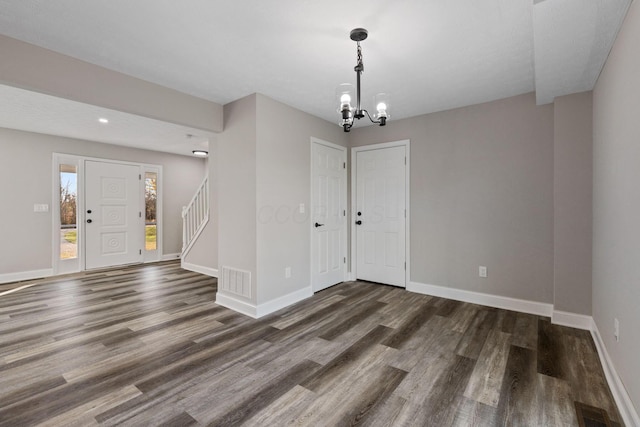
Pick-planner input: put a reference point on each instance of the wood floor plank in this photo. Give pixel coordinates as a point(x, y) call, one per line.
point(258, 399)
point(472, 413)
point(518, 395)
point(444, 398)
point(585, 376)
point(84, 414)
point(555, 406)
point(474, 337)
point(345, 360)
point(407, 329)
point(284, 410)
point(550, 350)
point(147, 345)
point(486, 381)
point(525, 331)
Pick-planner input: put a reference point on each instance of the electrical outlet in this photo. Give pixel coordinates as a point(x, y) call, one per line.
point(287, 272)
point(482, 271)
point(616, 329)
point(38, 207)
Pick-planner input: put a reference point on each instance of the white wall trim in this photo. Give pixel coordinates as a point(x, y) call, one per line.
point(25, 275)
point(235, 304)
point(266, 308)
point(213, 272)
point(170, 257)
point(620, 395)
point(283, 301)
point(507, 303)
point(572, 320)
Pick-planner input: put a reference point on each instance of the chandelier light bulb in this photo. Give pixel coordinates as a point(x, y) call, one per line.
point(382, 109)
point(345, 100)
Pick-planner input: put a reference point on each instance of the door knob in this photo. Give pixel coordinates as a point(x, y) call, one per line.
point(359, 213)
point(89, 221)
point(318, 225)
point(358, 222)
point(89, 211)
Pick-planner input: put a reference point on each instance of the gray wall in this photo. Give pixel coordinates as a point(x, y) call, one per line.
point(263, 175)
point(572, 176)
point(30, 67)
point(283, 183)
point(26, 161)
point(481, 194)
point(616, 203)
point(235, 171)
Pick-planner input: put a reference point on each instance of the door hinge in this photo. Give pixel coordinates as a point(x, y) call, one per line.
point(405, 265)
point(344, 260)
point(139, 177)
point(344, 165)
point(140, 251)
point(344, 213)
point(139, 214)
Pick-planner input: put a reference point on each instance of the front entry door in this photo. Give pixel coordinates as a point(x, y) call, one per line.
point(113, 218)
point(380, 215)
point(328, 215)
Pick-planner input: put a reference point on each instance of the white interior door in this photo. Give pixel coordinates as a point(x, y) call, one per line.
point(328, 215)
point(380, 215)
point(113, 218)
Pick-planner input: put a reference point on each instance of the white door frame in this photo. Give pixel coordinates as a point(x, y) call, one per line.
point(402, 143)
point(344, 203)
point(79, 162)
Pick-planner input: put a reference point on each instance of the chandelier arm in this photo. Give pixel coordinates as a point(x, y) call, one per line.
point(372, 121)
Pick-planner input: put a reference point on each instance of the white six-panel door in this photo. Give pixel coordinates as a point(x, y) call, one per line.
point(380, 220)
point(113, 218)
point(328, 215)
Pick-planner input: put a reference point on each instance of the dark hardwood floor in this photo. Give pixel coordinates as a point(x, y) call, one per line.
point(147, 345)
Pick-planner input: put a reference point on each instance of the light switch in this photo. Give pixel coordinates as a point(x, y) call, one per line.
point(301, 207)
point(41, 207)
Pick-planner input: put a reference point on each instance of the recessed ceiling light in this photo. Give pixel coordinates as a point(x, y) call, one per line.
point(200, 153)
point(103, 120)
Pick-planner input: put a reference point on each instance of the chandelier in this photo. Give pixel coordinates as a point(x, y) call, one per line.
point(345, 92)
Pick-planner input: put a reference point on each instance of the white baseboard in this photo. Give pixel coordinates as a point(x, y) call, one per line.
point(283, 301)
point(507, 303)
point(268, 307)
point(25, 275)
point(169, 257)
point(620, 395)
point(235, 304)
point(213, 272)
point(573, 320)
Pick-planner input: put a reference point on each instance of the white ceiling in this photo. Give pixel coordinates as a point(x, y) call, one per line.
point(35, 112)
point(430, 55)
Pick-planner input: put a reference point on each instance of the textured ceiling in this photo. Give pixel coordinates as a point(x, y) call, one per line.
point(573, 39)
point(430, 55)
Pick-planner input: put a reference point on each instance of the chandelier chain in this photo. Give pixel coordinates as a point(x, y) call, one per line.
point(360, 58)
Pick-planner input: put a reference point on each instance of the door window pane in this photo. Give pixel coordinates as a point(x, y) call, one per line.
point(68, 209)
point(150, 204)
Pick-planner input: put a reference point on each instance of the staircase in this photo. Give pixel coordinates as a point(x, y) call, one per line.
point(194, 217)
